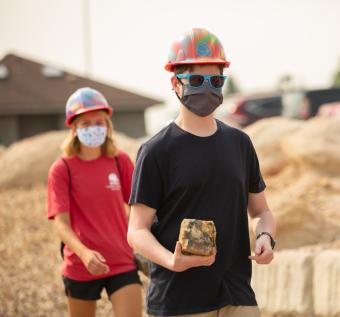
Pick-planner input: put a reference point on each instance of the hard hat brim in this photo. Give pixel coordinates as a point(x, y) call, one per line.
point(68, 121)
point(171, 65)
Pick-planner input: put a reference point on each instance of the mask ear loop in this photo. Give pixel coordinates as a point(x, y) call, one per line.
point(179, 80)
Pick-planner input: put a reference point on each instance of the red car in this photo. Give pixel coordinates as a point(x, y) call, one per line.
point(331, 109)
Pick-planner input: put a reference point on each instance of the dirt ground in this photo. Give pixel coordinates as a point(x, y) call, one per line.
point(30, 262)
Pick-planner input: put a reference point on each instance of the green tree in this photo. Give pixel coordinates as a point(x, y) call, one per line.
point(336, 76)
point(336, 79)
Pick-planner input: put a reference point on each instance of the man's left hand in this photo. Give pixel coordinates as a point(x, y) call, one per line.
point(263, 251)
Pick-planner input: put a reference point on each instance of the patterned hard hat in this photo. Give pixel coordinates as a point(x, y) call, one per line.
point(85, 100)
point(198, 46)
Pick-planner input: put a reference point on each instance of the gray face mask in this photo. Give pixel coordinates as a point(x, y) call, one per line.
point(203, 100)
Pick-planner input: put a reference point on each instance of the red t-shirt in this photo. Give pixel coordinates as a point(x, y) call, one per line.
point(96, 207)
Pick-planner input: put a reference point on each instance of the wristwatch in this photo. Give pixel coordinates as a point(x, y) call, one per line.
point(272, 241)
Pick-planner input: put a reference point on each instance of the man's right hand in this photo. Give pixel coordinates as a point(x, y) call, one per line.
point(94, 262)
point(181, 262)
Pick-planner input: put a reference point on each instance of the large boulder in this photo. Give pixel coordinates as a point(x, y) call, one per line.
point(300, 161)
point(266, 135)
point(27, 162)
point(300, 282)
point(285, 286)
point(326, 283)
point(316, 145)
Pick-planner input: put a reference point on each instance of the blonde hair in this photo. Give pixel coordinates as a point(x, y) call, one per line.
point(71, 145)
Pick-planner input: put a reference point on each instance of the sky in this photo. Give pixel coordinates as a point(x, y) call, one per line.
point(127, 41)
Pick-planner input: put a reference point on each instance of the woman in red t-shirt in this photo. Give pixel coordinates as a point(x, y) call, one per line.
point(88, 192)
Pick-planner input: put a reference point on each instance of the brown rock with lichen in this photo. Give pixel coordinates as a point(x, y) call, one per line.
point(197, 237)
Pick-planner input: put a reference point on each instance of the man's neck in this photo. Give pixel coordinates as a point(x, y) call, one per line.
point(200, 126)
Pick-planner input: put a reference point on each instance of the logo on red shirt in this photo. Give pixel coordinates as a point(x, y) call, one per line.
point(114, 183)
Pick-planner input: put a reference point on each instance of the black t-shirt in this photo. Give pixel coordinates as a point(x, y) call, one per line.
point(185, 176)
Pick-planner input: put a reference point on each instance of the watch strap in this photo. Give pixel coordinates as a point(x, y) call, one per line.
point(272, 241)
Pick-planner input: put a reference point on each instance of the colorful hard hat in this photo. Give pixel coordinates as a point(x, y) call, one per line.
point(198, 46)
point(85, 100)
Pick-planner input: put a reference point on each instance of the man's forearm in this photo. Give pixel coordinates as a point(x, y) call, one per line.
point(144, 243)
point(265, 222)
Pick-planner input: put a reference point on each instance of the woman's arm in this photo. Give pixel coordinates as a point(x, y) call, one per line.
point(127, 210)
point(93, 260)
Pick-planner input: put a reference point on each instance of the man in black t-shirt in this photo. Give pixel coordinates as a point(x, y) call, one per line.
point(200, 168)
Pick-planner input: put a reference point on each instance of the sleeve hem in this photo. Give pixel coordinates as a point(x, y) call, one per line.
point(133, 201)
point(258, 189)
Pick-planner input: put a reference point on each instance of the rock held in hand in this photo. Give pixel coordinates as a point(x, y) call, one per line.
point(197, 237)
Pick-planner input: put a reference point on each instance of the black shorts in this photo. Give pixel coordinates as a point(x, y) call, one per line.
point(91, 290)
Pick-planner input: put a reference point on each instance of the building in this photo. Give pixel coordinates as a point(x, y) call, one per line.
point(33, 97)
